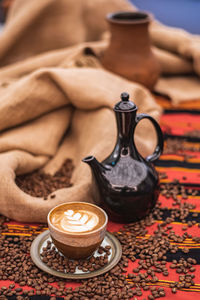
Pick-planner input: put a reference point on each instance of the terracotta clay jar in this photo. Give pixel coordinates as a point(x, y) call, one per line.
point(129, 53)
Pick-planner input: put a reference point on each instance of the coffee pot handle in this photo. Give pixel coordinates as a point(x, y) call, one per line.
point(159, 147)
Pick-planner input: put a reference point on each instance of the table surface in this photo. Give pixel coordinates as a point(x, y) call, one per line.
point(176, 123)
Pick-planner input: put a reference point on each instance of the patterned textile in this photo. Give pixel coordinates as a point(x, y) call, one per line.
point(180, 161)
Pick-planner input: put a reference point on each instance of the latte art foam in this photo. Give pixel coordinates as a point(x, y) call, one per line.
point(75, 221)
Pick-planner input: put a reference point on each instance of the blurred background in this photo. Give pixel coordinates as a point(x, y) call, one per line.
point(177, 13)
point(4, 6)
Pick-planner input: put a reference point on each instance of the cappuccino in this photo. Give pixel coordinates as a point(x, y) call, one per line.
point(77, 228)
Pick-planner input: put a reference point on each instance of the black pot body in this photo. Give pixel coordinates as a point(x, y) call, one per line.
point(128, 191)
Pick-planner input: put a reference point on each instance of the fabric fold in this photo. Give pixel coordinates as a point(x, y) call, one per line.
point(54, 104)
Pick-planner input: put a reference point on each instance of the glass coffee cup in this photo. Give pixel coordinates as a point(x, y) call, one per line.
point(77, 228)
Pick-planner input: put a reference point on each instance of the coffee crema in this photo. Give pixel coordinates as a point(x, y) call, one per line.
point(75, 220)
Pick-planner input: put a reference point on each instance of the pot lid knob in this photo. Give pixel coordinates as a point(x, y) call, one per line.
point(124, 96)
point(125, 104)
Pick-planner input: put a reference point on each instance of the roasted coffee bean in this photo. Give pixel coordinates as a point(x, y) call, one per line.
point(184, 228)
point(136, 270)
point(174, 290)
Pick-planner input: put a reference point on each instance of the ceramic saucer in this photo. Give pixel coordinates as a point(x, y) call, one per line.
point(41, 241)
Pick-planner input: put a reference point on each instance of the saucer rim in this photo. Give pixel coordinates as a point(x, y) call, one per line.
point(42, 237)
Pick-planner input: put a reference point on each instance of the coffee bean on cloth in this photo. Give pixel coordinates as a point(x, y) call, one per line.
point(58, 106)
point(159, 259)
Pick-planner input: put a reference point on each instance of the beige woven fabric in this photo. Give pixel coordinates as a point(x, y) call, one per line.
point(34, 27)
point(36, 112)
point(179, 54)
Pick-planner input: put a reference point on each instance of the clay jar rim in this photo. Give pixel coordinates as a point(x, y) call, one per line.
point(129, 17)
point(77, 233)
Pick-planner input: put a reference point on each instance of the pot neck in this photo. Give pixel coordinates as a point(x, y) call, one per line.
point(126, 35)
point(125, 127)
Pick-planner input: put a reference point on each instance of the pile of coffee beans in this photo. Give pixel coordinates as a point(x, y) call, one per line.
point(175, 145)
point(149, 253)
point(39, 184)
point(193, 133)
point(53, 259)
point(17, 266)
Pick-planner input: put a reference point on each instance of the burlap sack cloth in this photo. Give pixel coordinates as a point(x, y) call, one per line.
point(34, 27)
point(58, 105)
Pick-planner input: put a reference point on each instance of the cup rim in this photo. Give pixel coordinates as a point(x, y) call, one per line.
point(112, 17)
point(78, 233)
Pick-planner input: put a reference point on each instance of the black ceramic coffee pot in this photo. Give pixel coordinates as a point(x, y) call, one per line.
point(126, 185)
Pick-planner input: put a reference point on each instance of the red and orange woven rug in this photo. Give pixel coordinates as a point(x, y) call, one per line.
point(179, 163)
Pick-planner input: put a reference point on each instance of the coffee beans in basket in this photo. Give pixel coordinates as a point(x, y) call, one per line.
point(39, 184)
point(77, 228)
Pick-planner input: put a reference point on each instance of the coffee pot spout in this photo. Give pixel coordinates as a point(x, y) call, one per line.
point(99, 180)
point(96, 167)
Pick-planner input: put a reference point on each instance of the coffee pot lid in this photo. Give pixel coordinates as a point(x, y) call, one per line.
point(125, 105)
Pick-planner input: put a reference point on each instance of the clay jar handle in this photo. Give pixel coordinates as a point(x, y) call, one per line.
point(159, 148)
